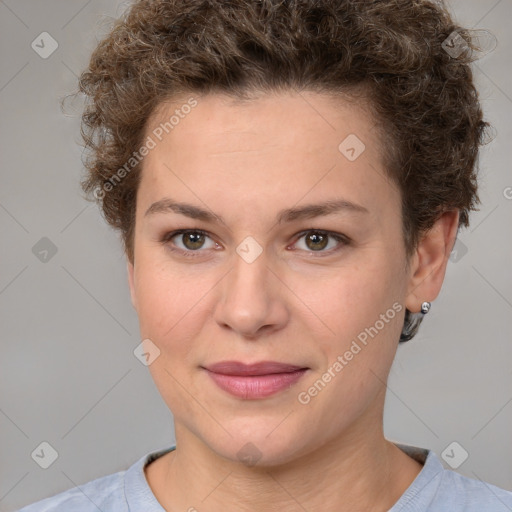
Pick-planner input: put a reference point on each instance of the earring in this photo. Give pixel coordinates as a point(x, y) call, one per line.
point(425, 307)
point(413, 321)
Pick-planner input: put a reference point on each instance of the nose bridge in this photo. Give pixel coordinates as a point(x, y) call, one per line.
point(248, 281)
point(249, 300)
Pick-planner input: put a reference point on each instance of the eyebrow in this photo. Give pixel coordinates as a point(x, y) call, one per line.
point(308, 211)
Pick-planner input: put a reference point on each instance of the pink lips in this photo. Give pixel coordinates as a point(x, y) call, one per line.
point(253, 381)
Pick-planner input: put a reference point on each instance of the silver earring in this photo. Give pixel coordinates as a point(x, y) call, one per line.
point(425, 307)
point(412, 322)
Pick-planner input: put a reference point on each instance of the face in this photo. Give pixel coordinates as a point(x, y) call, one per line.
point(262, 275)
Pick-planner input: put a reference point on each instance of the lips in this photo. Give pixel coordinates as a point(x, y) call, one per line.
point(262, 368)
point(254, 381)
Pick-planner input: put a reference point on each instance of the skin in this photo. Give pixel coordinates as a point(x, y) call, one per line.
point(297, 302)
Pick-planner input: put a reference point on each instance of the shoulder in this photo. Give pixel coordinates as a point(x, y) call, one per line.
point(122, 491)
point(438, 489)
point(470, 495)
point(105, 493)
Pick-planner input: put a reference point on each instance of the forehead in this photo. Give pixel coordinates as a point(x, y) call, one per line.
point(294, 144)
point(282, 117)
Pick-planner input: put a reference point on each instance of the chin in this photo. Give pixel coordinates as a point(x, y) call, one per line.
point(257, 443)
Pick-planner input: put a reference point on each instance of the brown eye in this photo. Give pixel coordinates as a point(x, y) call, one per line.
point(192, 240)
point(188, 242)
point(317, 240)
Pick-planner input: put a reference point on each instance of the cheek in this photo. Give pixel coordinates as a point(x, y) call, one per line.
point(345, 301)
point(170, 312)
point(168, 299)
point(362, 308)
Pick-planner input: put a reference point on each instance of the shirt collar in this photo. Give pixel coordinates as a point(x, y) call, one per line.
point(417, 496)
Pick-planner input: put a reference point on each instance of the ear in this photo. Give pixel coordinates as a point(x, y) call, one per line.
point(428, 264)
point(131, 281)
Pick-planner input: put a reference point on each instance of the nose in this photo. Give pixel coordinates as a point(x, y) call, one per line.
point(252, 299)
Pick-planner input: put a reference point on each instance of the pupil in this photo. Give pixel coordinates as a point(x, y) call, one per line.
point(197, 240)
point(315, 238)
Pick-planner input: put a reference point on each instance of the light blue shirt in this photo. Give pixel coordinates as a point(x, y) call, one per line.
point(435, 489)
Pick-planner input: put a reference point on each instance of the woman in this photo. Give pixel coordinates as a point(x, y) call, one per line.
point(289, 179)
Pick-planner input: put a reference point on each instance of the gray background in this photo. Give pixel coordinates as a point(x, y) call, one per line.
point(68, 373)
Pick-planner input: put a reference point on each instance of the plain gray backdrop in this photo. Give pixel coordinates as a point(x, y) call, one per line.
point(68, 373)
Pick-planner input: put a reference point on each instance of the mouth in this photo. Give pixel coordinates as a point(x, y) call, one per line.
point(254, 381)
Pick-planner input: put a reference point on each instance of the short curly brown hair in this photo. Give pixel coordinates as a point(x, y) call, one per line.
point(408, 57)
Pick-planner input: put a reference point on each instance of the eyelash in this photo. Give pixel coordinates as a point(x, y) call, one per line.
point(342, 239)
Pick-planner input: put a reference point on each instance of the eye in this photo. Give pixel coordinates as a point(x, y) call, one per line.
point(187, 241)
point(317, 241)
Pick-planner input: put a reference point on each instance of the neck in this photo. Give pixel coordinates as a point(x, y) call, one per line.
point(360, 471)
